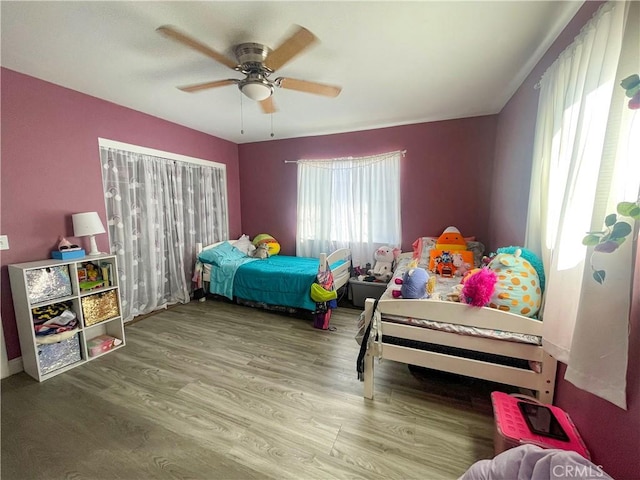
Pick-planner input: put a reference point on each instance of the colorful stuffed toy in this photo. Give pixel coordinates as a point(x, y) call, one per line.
point(272, 243)
point(530, 257)
point(385, 257)
point(478, 287)
point(518, 286)
point(414, 284)
point(442, 256)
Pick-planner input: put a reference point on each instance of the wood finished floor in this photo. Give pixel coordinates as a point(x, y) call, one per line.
point(219, 391)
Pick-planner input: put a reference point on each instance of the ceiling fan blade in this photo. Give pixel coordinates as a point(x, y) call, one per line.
point(268, 106)
point(308, 87)
point(292, 46)
point(203, 86)
point(171, 32)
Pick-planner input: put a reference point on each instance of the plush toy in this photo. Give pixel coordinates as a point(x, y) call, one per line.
point(414, 284)
point(441, 258)
point(272, 243)
point(460, 266)
point(261, 251)
point(385, 257)
point(518, 287)
point(530, 257)
point(478, 287)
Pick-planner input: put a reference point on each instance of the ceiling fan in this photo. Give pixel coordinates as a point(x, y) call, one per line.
point(257, 62)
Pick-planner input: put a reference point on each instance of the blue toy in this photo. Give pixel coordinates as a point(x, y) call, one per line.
point(414, 284)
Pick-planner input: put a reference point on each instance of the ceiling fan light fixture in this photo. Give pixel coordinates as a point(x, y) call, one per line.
point(256, 90)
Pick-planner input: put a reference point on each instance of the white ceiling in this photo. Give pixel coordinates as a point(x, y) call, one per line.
point(398, 62)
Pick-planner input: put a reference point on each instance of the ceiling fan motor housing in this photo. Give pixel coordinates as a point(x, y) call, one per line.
point(251, 57)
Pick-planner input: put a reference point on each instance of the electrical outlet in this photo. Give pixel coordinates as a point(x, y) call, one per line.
point(4, 242)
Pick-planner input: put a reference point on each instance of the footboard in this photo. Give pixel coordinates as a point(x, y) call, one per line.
point(340, 264)
point(542, 382)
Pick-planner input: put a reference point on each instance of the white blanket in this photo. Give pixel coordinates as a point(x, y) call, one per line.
point(534, 463)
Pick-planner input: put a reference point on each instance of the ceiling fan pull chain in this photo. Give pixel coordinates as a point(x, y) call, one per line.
point(241, 116)
point(271, 115)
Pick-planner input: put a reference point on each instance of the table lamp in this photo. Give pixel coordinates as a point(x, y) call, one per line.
point(88, 225)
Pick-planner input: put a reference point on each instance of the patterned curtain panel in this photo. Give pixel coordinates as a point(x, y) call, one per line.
point(157, 210)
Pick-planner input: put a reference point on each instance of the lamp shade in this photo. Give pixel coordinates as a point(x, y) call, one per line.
point(85, 224)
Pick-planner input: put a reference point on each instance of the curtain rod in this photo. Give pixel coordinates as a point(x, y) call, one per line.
point(403, 152)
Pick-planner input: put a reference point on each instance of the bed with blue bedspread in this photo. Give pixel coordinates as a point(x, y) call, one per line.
point(278, 280)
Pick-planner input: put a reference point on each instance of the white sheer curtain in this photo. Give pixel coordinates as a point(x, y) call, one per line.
point(157, 209)
point(585, 162)
point(352, 202)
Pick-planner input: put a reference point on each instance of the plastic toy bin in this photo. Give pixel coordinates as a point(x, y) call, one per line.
point(359, 291)
point(511, 429)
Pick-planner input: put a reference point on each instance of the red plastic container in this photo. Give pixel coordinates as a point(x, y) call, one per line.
point(512, 430)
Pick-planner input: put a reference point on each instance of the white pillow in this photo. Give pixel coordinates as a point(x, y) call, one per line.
point(244, 245)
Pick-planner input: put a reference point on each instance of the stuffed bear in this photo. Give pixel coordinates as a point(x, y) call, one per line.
point(385, 257)
point(414, 284)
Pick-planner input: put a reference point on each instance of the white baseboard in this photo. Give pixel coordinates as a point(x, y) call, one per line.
point(14, 366)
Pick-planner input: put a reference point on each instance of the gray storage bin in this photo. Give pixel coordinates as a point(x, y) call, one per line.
point(359, 291)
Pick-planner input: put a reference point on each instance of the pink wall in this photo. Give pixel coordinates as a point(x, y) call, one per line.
point(612, 434)
point(445, 176)
point(51, 167)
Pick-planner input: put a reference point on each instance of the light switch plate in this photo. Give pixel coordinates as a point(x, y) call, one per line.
point(4, 242)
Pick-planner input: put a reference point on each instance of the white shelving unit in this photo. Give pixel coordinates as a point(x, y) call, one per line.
point(32, 281)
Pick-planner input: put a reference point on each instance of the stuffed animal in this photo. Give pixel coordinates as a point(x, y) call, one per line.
point(261, 251)
point(460, 266)
point(441, 257)
point(385, 257)
point(414, 284)
point(272, 243)
point(517, 289)
point(478, 287)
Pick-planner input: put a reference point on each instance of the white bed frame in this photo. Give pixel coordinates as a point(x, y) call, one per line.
point(341, 273)
point(543, 383)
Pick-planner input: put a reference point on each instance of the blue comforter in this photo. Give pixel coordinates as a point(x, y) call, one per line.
point(277, 280)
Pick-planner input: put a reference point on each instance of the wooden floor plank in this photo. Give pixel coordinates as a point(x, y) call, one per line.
point(214, 390)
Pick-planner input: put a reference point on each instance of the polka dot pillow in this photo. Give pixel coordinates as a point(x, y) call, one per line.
point(518, 287)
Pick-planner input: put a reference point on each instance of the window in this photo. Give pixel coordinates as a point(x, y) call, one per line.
point(352, 202)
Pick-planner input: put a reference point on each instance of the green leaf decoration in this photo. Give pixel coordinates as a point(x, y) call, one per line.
point(631, 92)
point(591, 240)
point(620, 230)
point(610, 219)
point(629, 209)
point(630, 82)
point(599, 276)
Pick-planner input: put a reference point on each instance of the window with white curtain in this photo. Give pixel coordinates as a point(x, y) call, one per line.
point(586, 161)
point(349, 203)
point(159, 205)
